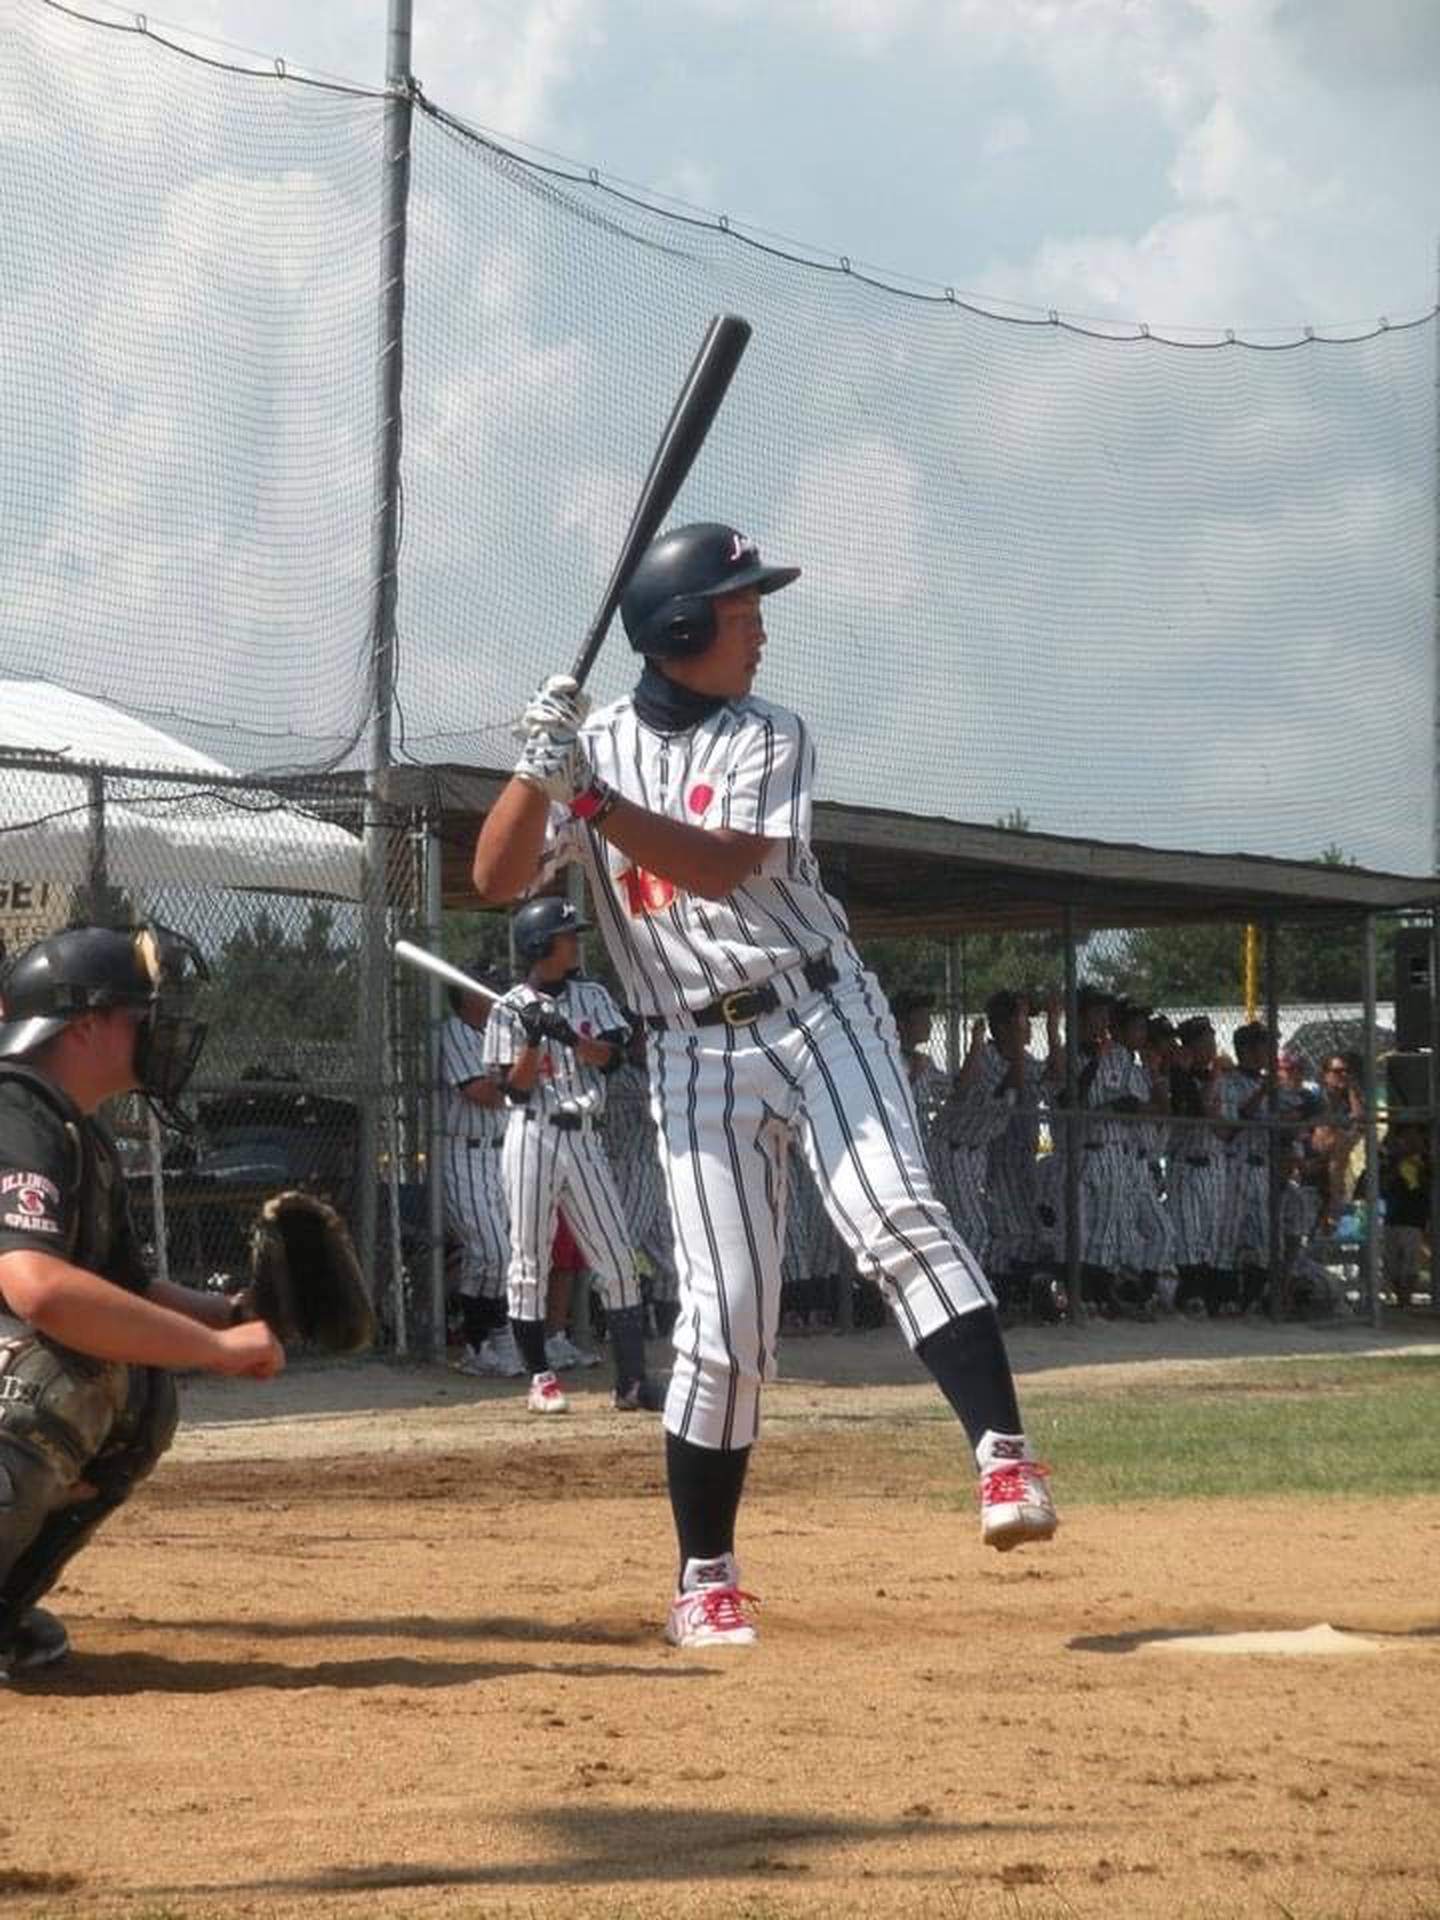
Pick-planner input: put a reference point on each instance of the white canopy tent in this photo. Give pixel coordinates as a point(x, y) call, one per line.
point(176, 834)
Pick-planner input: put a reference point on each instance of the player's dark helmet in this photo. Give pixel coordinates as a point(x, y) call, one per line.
point(538, 922)
point(668, 608)
point(90, 969)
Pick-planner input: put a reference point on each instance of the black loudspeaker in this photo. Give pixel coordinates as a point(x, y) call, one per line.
point(1407, 1080)
point(1413, 988)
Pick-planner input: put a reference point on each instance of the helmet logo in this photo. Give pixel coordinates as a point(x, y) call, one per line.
point(741, 548)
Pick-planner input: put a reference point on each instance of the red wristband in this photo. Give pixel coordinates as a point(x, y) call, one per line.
point(594, 803)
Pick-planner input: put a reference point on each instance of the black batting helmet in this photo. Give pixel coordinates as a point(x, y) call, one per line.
point(539, 921)
point(668, 606)
point(92, 969)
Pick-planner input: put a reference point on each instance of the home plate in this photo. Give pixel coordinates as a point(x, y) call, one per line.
point(1292, 1640)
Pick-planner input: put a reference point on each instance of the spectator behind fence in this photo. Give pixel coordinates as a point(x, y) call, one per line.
point(1014, 1075)
point(1405, 1196)
point(1196, 1176)
point(1342, 1120)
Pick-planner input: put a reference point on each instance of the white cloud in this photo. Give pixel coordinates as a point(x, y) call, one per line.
point(1004, 134)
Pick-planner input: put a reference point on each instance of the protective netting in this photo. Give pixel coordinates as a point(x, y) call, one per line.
point(1132, 590)
point(188, 268)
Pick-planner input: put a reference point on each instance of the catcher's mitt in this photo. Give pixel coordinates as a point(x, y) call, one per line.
point(305, 1282)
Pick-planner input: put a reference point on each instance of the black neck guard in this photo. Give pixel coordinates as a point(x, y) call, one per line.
point(667, 707)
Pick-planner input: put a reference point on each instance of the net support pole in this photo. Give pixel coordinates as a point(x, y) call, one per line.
point(385, 529)
point(1432, 1099)
point(1435, 609)
point(953, 968)
point(435, 1141)
point(1070, 1127)
point(1277, 1145)
point(1370, 1246)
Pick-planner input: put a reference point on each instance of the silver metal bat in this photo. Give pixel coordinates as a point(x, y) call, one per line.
point(429, 962)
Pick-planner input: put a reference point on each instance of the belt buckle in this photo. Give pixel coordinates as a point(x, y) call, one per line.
point(733, 1007)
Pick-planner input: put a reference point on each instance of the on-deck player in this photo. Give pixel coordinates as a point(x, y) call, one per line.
point(550, 1043)
point(475, 1210)
point(689, 803)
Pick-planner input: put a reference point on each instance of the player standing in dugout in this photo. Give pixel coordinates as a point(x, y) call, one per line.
point(688, 804)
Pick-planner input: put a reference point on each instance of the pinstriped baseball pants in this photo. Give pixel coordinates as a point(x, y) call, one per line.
point(475, 1213)
point(547, 1171)
point(826, 1073)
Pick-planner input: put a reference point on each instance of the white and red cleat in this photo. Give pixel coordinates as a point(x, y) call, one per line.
point(709, 1610)
point(545, 1395)
point(1015, 1502)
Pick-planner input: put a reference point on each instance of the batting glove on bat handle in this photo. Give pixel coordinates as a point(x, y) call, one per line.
point(556, 765)
point(558, 708)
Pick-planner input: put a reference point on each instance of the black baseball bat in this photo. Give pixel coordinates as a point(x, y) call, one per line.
point(684, 435)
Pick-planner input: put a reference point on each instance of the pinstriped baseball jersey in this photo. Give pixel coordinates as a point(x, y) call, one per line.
point(749, 767)
point(475, 1208)
point(462, 1059)
point(565, 1083)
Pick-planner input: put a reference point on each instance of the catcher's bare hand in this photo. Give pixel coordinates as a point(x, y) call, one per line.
point(558, 708)
point(250, 1349)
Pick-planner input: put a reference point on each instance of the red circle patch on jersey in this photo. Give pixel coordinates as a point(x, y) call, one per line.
point(700, 797)
point(586, 1028)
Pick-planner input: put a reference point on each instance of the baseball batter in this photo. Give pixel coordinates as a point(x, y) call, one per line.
point(550, 1042)
point(689, 804)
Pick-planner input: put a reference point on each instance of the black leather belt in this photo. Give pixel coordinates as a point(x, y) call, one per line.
point(1094, 1146)
point(1255, 1159)
point(570, 1122)
point(477, 1146)
point(1197, 1159)
point(746, 1005)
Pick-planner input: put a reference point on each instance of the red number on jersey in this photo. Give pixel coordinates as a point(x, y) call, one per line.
point(646, 892)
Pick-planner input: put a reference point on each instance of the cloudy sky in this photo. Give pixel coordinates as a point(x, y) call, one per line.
point(1208, 163)
point(1185, 598)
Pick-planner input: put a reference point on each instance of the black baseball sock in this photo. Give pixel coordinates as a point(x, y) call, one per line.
point(972, 1370)
point(530, 1338)
point(705, 1488)
point(479, 1317)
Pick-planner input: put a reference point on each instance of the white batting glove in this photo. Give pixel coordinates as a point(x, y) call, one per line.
point(556, 765)
point(558, 708)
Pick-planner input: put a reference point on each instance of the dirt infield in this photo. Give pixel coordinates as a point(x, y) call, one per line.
point(381, 1645)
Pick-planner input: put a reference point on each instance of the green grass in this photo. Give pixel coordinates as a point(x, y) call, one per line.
point(1314, 1427)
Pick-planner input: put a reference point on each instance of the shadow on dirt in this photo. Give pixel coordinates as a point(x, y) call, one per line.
point(419, 1626)
point(637, 1844)
point(90, 1675)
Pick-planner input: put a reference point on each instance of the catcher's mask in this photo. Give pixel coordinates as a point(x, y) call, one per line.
point(91, 969)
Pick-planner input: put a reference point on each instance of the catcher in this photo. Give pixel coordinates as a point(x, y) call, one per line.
point(88, 1340)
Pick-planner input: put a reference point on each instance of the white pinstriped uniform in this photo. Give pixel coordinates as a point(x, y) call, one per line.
point(823, 1069)
point(1245, 1220)
point(628, 1131)
point(1195, 1177)
point(960, 1139)
point(1154, 1233)
point(1011, 1178)
point(475, 1209)
point(1109, 1189)
point(548, 1168)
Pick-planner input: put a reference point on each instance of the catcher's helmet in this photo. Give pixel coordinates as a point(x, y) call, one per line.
point(91, 969)
point(539, 921)
point(668, 607)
